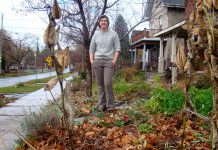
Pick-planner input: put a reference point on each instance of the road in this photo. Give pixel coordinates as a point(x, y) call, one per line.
point(4, 82)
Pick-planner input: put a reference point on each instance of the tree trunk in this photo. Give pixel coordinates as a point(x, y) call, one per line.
point(89, 75)
point(18, 68)
point(214, 116)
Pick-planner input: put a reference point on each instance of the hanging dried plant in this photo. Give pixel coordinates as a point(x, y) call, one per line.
point(56, 10)
point(50, 85)
point(181, 58)
point(49, 35)
point(215, 4)
point(62, 57)
point(199, 2)
point(66, 56)
point(208, 4)
point(200, 17)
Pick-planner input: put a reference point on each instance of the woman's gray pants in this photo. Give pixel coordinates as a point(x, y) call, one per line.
point(104, 69)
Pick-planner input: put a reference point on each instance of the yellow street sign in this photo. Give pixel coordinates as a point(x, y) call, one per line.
point(48, 59)
point(49, 64)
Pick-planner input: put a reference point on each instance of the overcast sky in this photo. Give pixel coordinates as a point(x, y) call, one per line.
point(31, 23)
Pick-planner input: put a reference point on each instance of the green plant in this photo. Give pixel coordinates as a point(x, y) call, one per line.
point(2, 103)
point(202, 99)
point(138, 116)
point(157, 78)
point(119, 123)
point(145, 128)
point(166, 101)
point(83, 75)
point(19, 84)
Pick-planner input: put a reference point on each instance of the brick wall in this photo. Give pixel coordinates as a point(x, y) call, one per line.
point(140, 35)
point(189, 7)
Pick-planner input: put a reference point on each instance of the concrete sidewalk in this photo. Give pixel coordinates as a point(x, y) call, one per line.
point(4, 82)
point(13, 114)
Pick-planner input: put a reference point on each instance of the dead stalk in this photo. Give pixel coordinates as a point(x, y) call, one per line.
point(23, 138)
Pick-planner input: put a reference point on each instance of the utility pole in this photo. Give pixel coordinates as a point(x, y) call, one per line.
point(1, 38)
point(37, 49)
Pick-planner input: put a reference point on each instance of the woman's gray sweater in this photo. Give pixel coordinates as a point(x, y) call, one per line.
point(104, 44)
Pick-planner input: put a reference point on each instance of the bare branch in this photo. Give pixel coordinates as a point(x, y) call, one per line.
point(113, 4)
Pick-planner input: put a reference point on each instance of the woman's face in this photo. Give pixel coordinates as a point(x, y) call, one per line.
point(103, 23)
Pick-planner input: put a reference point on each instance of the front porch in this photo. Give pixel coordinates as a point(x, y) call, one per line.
point(146, 50)
point(168, 52)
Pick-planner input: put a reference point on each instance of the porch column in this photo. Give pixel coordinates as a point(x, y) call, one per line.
point(173, 59)
point(135, 56)
point(161, 58)
point(144, 57)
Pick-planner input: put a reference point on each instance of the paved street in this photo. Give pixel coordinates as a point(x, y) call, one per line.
point(4, 82)
point(13, 113)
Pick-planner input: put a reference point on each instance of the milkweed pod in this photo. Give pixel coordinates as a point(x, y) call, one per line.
point(56, 10)
point(199, 2)
point(181, 58)
point(187, 66)
point(49, 35)
point(215, 3)
point(208, 3)
point(60, 57)
point(50, 85)
point(66, 57)
point(57, 31)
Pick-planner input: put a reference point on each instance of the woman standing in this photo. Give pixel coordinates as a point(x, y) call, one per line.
point(104, 52)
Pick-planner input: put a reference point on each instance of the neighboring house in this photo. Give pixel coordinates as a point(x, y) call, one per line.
point(145, 50)
point(162, 15)
point(173, 34)
point(165, 13)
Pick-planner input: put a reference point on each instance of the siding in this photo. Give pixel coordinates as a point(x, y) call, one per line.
point(175, 15)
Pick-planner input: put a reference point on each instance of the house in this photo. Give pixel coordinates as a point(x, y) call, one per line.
point(156, 50)
point(173, 34)
point(145, 50)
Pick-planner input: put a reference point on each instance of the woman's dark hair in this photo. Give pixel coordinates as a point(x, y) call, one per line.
point(103, 16)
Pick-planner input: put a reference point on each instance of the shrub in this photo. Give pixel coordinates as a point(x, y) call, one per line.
point(19, 84)
point(202, 81)
point(128, 74)
point(202, 99)
point(35, 124)
point(171, 101)
point(166, 101)
point(127, 91)
point(83, 75)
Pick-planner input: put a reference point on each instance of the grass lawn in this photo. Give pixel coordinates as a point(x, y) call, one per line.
point(29, 86)
point(15, 74)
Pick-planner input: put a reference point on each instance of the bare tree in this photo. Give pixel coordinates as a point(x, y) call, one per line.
point(18, 51)
point(79, 22)
point(6, 48)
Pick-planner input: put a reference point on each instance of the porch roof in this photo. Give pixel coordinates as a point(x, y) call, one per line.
point(176, 27)
point(145, 41)
point(174, 3)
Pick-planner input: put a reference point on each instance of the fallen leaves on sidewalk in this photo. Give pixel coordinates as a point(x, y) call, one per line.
point(5, 100)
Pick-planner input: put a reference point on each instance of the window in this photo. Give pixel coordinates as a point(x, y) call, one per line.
point(161, 22)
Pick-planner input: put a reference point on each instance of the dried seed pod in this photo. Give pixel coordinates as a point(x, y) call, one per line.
point(181, 58)
point(215, 4)
point(50, 85)
point(56, 10)
point(49, 35)
point(66, 56)
point(199, 2)
point(208, 3)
